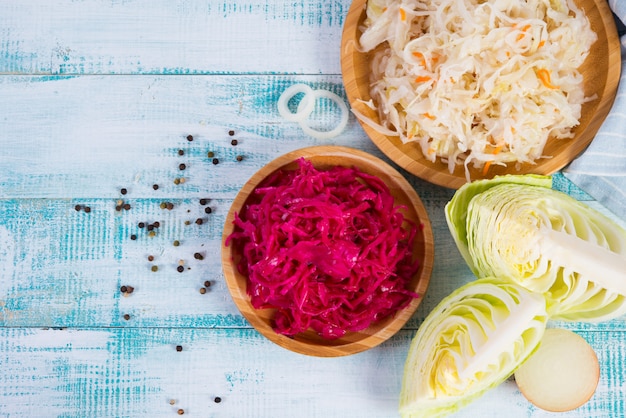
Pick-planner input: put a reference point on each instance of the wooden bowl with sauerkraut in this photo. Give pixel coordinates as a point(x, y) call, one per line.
point(327, 251)
point(454, 94)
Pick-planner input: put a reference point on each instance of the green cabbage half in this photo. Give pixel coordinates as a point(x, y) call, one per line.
point(518, 227)
point(471, 342)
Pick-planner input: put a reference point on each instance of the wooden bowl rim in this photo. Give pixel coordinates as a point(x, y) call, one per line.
point(593, 113)
point(352, 343)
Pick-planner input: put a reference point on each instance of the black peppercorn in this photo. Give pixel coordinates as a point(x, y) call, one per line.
point(180, 269)
point(77, 208)
point(189, 138)
point(198, 256)
point(231, 132)
point(240, 158)
point(87, 209)
point(199, 221)
point(234, 142)
point(204, 201)
point(208, 210)
point(123, 289)
point(141, 224)
point(179, 348)
point(202, 290)
point(155, 186)
point(126, 317)
point(123, 191)
point(182, 166)
point(181, 152)
point(217, 399)
point(215, 161)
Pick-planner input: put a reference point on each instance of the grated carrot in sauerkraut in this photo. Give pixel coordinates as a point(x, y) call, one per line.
point(477, 82)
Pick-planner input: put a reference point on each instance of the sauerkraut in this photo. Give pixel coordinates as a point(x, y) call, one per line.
point(477, 82)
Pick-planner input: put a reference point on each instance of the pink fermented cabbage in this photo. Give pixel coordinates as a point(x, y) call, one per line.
point(328, 249)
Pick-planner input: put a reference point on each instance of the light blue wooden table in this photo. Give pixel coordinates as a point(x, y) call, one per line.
point(100, 95)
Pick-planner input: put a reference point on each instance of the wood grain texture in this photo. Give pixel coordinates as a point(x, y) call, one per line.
point(601, 72)
point(99, 95)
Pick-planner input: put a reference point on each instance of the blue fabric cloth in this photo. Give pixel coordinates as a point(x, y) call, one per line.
point(601, 169)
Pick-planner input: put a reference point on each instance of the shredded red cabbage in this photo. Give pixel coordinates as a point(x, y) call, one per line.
point(328, 250)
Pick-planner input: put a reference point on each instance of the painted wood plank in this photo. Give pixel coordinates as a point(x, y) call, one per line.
point(88, 136)
point(171, 37)
point(136, 372)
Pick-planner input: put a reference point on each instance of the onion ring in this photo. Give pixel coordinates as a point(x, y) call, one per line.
point(343, 122)
point(306, 106)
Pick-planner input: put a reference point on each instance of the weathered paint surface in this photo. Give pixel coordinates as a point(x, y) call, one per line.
point(99, 95)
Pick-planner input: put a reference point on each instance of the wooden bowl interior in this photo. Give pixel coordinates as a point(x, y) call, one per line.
point(309, 342)
point(601, 72)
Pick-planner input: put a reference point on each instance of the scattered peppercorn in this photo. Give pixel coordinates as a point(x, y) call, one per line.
point(126, 317)
point(179, 348)
point(216, 161)
point(150, 258)
point(87, 209)
point(217, 399)
point(187, 222)
point(202, 290)
point(198, 256)
point(180, 269)
point(141, 224)
point(123, 289)
point(123, 191)
point(181, 152)
point(169, 206)
point(177, 181)
point(172, 401)
point(207, 284)
point(155, 186)
point(204, 201)
point(133, 237)
point(239, 158)
point(118, 208)
point(126, 206)
point(176, 243)
point(189, 138)
point(231, 132)
point(154, 268)
point(156, 224)
point(151, 233)
point(208, 210)
point(234, 142)
point(163, 205)
point(181, 412)
point(130, 289)
point(199, 221)
point(210, 154)
point(182, 166)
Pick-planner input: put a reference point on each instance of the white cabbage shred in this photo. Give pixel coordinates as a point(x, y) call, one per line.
point(477, 82)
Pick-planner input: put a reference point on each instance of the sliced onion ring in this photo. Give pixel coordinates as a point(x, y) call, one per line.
point(305, 107)
point(317, 94)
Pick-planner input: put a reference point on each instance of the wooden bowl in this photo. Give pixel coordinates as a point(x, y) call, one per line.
point(601, 72)
point(309, 342)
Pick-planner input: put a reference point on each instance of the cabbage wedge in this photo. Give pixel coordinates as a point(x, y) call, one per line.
point(519, 228)
point(471, 342)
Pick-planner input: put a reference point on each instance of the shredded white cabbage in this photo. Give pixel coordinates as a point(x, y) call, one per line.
point(477, 82)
